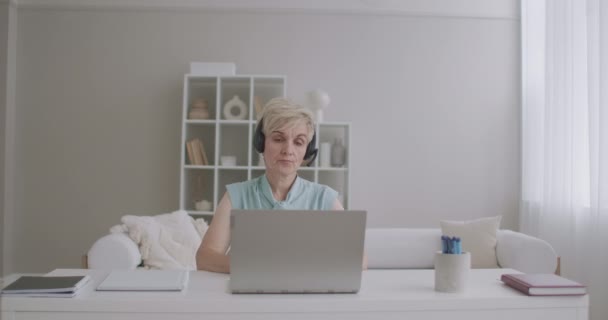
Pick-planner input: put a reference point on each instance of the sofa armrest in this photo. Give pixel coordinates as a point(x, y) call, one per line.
point(522, 252)
point(114, 251)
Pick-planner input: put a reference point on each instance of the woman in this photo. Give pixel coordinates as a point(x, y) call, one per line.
point(285, 135)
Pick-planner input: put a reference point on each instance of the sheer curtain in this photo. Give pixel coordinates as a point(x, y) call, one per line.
point(565, 136)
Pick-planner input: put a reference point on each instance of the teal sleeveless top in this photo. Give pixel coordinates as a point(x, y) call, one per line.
point(305, 195)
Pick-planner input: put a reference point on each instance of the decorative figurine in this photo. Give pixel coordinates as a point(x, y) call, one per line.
point(199, 109)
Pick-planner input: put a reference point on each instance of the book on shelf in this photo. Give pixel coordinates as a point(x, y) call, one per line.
point(145, 280)
point(196, 152)
point(45, 286)
point(190, 152)
point(203, 153)
point(543, 284)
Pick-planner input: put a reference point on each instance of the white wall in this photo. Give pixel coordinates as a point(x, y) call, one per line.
point(433, 101)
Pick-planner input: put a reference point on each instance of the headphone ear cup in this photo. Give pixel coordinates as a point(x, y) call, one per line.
point(312, 156)
point(311, 151)
point(259, 139)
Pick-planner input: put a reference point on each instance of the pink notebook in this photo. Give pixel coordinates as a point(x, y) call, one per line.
point(543, 284)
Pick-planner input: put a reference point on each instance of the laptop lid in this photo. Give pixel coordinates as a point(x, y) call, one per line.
point(296, 251)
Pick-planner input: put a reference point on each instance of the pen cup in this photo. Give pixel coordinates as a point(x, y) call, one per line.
point(452, 271)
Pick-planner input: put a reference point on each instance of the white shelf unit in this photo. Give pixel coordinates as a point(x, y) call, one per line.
point(221, 136)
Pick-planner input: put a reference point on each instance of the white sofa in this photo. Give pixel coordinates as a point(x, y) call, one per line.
point(386, 248)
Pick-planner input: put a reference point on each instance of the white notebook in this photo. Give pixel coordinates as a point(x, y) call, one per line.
point(145, 280)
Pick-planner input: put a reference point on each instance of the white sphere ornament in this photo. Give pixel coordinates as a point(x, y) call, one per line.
point(318, 99)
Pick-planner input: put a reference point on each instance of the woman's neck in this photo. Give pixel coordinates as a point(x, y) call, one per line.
point(280, 185)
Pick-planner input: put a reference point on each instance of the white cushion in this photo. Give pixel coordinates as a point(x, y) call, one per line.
point(525, 253)
point(392, 248)
point(166, 241)
point(114, 251)
point(478, 237)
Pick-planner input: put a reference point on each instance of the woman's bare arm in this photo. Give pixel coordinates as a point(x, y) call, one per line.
point(211, 254)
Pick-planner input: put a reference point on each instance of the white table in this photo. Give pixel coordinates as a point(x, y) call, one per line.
point(385, 294)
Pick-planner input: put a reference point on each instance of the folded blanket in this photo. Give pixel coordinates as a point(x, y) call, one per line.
point(166, 241)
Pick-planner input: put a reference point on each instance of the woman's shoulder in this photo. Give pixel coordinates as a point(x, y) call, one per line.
point(244, 193)
point(238, 189)
point(317, 196)
point(314, 186)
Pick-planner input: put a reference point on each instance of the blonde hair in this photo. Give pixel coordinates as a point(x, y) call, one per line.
point(281, 112)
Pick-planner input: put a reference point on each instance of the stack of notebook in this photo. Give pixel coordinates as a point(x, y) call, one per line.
point(68, 282)
point(45, 286)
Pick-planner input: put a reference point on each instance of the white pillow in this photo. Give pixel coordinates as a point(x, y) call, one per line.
point(166, 241)
point(478, 237)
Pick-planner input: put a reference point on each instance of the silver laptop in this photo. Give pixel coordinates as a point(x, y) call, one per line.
point(296, 251)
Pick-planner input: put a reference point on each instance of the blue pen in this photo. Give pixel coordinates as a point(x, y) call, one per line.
point(460, 245)
point(450, 246)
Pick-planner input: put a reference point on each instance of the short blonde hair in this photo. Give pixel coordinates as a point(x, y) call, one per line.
point(281, 112)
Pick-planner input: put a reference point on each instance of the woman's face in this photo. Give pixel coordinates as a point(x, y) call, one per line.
point(284, 149)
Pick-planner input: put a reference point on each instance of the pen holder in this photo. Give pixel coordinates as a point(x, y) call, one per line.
point(452, 271)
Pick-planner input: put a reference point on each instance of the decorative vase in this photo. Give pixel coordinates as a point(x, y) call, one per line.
point(235, 109)
point(338, 153)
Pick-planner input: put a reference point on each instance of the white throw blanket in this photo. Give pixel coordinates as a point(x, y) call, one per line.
point(166, 241)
